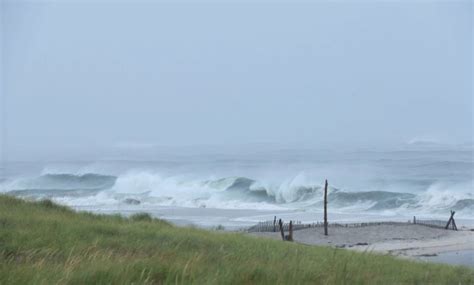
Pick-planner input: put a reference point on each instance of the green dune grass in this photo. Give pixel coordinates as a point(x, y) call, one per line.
point(43, 243)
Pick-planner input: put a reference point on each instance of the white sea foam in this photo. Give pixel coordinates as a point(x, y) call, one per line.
point(428, 183)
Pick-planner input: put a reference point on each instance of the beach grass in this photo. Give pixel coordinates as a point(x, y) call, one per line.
point(44, 243)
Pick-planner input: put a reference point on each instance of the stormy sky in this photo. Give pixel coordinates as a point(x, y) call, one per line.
point(85, 74)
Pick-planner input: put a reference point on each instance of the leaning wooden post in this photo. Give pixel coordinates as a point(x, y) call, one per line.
point(450, 219)
point(274, 223)
point(280, 222)
point(326, 208)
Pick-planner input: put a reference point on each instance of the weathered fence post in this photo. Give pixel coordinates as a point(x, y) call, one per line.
point(290, 236)
point(414, 220)
point(280, 222)
point(274, 223)
point(326, 208)
point(451, 220)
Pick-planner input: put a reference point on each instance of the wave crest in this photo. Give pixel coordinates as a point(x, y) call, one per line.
point(235, 192)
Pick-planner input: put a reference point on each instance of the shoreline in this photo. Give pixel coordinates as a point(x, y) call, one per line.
point(415, 242)
point(241, 218)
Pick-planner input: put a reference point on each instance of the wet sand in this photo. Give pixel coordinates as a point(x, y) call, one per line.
point(404, 240)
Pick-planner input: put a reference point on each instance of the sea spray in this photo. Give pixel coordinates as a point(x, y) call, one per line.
point(392, 182)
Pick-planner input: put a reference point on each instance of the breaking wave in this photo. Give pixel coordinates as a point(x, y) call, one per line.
point(149, 188)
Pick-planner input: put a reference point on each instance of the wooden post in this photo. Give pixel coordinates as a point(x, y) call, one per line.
point(290, 236)
point(281, 229)
point(274, 223)
point(326, 208)
point(451, 219)
point(454, 225)
point(414, 219)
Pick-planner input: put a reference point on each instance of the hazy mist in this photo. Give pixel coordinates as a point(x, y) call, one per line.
point(88, 75)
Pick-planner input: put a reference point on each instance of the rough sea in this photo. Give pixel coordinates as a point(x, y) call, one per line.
point(239, 186)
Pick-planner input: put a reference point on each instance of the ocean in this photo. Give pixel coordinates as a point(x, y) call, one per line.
point(239, 186)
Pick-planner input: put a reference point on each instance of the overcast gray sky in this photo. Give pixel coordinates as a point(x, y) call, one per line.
point(96, 74)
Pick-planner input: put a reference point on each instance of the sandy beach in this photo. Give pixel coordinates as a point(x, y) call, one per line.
point(407, 241)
